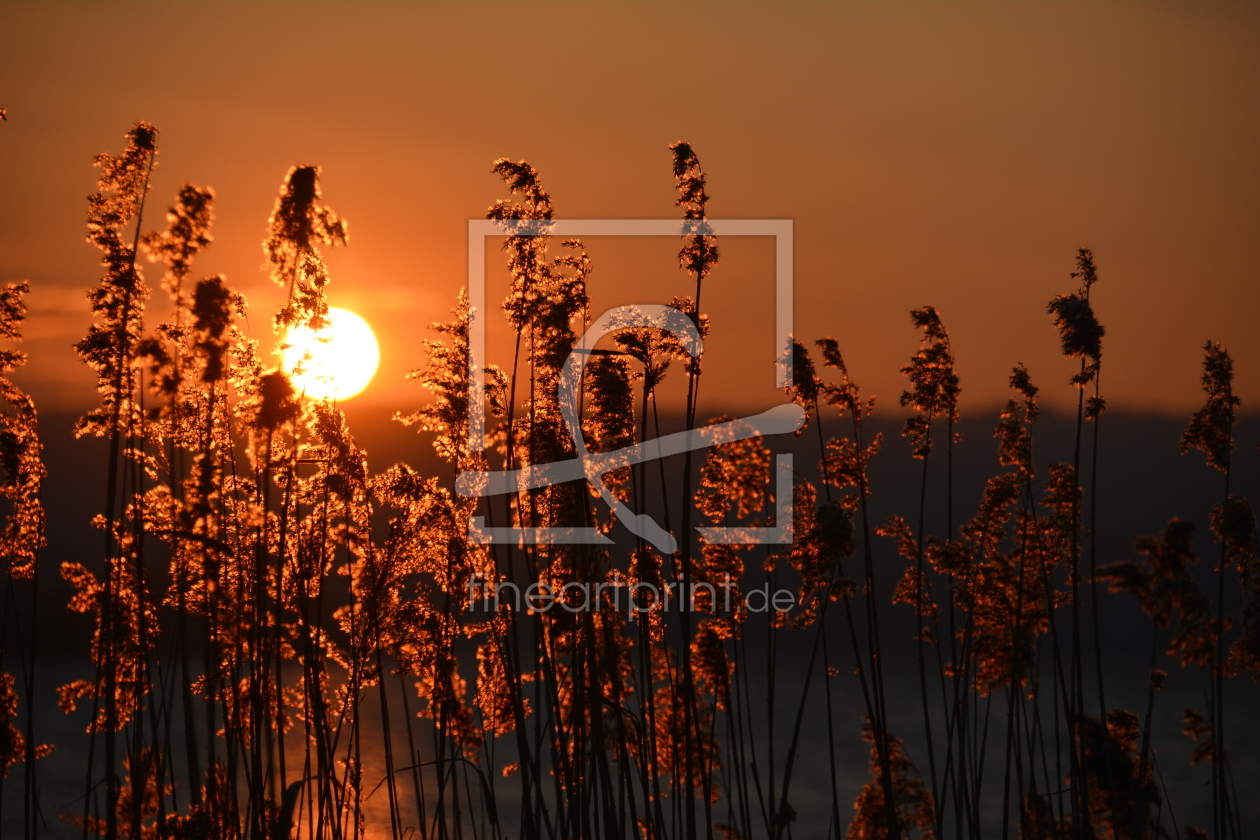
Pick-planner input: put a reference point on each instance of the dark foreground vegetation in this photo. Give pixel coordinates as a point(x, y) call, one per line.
point(284, 644)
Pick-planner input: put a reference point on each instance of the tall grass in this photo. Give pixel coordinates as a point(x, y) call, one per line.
point(286, 644)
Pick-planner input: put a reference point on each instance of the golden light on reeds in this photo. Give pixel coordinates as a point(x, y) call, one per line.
point(337, 361)
point(245, 573)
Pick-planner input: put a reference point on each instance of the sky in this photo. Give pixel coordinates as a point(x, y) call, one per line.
point(956, 155)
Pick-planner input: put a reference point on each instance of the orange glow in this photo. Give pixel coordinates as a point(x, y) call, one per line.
point(336, 362)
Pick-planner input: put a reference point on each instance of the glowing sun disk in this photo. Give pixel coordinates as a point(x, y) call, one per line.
point(335, 363)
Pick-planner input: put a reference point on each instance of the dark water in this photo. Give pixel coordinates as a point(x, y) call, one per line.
point(1143, 483)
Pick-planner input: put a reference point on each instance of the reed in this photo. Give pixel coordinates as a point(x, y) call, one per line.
point(287, 643)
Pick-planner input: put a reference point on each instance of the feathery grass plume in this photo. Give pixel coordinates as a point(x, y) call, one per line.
point(608, 421)
point(1162, 583)
point(733, 479)
point(1110, 768)
point(844, 464)
point(1061, 496)
point(275, 404)
point(123, 181)
point(212, 306)
point(563, 301)
point(370, 619)
point(713, 668)
point(307, 306)
point(1003, 594)
point(1244, 654)
point(673, 741)
point(140, 794)
point(934, 385)
point(987, 531)
point(699, 256)
point(687, 305)
point(722, 567)
point(846, 396)
point(805, 387)
point(527, 260)
point(1233, 525)
point(913, 587)
point(1037, 820)
point(1081, 337)
point(189, 508)
point(187, 232)
point(275, 592)
point(1022, 382)
point(654, 349)
point(21, 453)
point(13, 746)
point(913, 803)
point(493, 696)
point(667, 346)
point(1197, 727)
point(197, 424)
point(124, 616)
point(299, 221)
point(646, 567)
point(446, 378)
point(1003, 599)
point(1079, 331)
point(171, 357)
point(118, 302)
point(424, 563)
point(119, 634)
point(545, 297)
point(22, 536)
point(1211, 429)
point(1010, 592)
point(844, 460)
point(164, 375)
point(825, 538)
point(1014, 430)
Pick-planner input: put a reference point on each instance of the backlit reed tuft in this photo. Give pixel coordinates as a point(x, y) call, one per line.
point(286, 642)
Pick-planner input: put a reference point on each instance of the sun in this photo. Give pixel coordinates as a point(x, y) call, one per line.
point(335, 363)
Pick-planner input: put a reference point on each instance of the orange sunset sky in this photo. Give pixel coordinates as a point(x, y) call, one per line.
point(951, 154)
